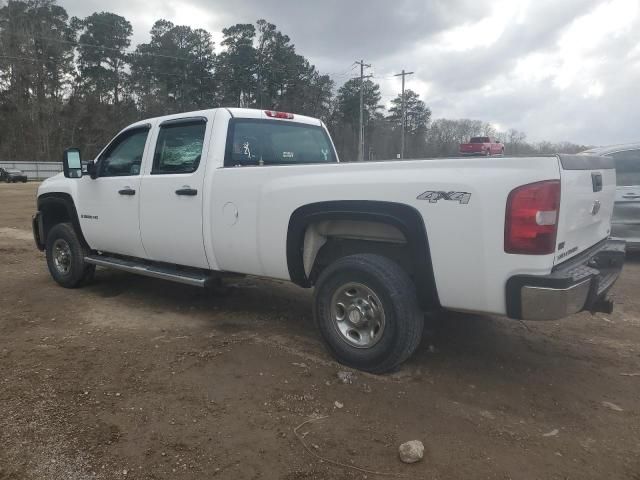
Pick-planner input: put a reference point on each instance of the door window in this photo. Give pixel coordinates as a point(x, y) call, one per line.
point(124, 156)
point(179, 148)
point(627, 167)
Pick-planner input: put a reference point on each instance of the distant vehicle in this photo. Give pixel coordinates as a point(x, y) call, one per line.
point(12, 175)
point(486, 146)
point(626, 213)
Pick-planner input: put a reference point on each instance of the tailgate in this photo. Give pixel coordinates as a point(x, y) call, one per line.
point(588, 186)
point(471, 147)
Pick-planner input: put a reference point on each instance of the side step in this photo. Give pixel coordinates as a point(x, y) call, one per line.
point(191, 277)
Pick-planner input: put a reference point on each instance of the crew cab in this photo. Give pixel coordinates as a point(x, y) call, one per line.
point(482, 146)
point(198, 196)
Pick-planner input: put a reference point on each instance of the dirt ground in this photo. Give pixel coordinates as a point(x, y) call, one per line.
point(133, 377)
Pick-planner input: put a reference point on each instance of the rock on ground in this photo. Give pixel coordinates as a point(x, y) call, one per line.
point(411, 452)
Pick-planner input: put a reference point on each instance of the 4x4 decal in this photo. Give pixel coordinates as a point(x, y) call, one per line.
point(433, 197)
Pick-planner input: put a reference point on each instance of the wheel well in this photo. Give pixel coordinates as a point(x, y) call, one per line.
point(57, 208)
point(321, 233)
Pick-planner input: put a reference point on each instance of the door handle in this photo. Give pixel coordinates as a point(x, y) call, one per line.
point(188, 191)
point(127, 191)
point(631, 195)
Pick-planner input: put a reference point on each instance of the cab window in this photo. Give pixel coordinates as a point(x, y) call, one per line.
point(179, 147)
point(271, 142)
point(627, 167)
point(124, 156)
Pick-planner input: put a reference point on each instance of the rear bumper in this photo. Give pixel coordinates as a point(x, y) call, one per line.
point(581, 283)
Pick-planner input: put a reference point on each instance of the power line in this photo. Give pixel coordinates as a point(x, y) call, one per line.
point(404, 114)
point(101, 47)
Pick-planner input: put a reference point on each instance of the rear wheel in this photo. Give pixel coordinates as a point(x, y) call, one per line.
point(65, 257)
point(366, 309)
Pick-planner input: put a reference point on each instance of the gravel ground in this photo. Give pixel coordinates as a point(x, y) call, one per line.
point(133, 377)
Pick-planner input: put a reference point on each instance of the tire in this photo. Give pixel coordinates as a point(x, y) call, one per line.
point(488, 152)
point(65, 257)
point(387, 339)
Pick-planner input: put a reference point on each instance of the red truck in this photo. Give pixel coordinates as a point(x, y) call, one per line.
point(482, 146)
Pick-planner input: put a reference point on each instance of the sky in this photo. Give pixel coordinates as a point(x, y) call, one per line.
point(558, 70)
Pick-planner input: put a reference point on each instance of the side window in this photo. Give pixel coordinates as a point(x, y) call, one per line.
point(179, 148)
point(124, 155)
point(627, 167)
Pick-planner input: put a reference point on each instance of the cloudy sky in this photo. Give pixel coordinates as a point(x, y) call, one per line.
point(555, 69)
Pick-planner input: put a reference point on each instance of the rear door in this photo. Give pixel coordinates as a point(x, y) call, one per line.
point(588, 187)
point(171, 200)
point(626, 213)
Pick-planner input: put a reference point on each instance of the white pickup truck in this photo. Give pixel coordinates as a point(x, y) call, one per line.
point(197, 196)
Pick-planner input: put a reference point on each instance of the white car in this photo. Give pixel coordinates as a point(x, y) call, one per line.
point(625, 223)
point(197, 196)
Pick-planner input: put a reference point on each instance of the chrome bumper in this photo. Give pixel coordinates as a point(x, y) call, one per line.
point(581, 283)
point(542, 303)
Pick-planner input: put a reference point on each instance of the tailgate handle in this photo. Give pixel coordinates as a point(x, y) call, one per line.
point(596, 181)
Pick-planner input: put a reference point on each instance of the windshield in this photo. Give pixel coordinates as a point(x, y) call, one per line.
point(479, 140)
point(271, 142)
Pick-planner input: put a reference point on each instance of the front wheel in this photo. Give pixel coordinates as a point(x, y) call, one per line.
point(65, 257)
point(366, 309)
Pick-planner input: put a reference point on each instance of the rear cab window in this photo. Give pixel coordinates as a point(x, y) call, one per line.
point(627, 167)
point(276, 142)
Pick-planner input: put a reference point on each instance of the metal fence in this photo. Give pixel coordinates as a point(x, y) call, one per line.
point(35, 170)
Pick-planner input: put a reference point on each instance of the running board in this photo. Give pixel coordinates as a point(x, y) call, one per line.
point(164, 272)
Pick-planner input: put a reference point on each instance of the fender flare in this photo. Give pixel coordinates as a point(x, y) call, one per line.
point(404, 217)
point(65, 200)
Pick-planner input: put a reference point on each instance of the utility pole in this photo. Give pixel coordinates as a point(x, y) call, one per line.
point(361, 134)
point(404, 111)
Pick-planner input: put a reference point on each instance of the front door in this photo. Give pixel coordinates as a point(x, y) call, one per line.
point(108, 206)
point(172, 196)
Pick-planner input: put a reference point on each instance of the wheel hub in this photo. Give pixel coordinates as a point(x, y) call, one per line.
point(62, 256)
point(358, 315)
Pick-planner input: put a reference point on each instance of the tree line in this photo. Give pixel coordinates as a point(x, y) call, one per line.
point(76, 81)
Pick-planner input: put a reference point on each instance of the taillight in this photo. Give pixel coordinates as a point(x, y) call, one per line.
point(531, 222)
point(282, 115)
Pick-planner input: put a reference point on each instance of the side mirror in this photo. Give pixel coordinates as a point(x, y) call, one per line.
point(71, 163)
